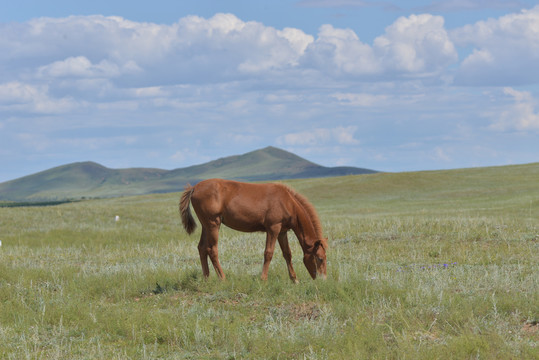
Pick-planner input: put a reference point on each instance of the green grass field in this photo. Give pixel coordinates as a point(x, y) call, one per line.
point(423, 265)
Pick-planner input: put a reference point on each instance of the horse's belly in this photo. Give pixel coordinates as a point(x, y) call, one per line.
point(243, 224)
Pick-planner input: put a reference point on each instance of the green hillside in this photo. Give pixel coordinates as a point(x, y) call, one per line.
point(78, 180)
point(491, 189)
point(88, 179)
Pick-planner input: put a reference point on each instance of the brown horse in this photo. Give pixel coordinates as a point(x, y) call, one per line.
point(270, 208)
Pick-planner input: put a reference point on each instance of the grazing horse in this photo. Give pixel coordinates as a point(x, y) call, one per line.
point(270, 208)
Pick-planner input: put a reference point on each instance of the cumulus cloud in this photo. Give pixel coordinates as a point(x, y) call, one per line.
point(505, 50)
point(229, 47)
point(58, 64)
point(417, 45)
point(222, 48)
point(194, 49)
point(521, 115)
point(340, 52)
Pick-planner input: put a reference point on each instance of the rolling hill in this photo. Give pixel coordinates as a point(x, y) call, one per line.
point(89, 179)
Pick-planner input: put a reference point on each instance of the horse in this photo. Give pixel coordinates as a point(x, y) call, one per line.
point(272, 208)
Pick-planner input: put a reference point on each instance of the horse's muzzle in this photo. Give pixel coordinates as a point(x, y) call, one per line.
point(321, 276)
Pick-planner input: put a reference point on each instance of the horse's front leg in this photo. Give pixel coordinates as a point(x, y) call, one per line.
point(287, 254)
point(271, 238)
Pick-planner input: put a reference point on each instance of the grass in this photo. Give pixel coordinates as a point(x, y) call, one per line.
point(421, 266)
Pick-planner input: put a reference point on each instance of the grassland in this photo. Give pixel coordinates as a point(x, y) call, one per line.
point(422, 265)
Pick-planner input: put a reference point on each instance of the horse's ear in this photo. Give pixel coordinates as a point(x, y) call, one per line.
point(324, 243)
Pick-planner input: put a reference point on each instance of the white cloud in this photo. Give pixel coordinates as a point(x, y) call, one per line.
point(224, 48)
point(81, 67)
point(219, 49)
point(321, 136)
point(505, 50)
point(194, 49)
point(416, 44)
point(521, 115)
point(339, 51)
point(231, 46)
point(17, 96)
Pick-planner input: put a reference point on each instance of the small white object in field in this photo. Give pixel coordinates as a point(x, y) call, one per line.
point(0, 242)
point(117, 218)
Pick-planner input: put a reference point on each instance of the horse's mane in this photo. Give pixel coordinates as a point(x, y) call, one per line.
point(311, 211)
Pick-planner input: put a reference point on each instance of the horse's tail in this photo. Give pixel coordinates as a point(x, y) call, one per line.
point(188, 221)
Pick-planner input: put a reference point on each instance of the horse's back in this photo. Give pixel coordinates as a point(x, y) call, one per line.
point(229, 190)
point(242, 206)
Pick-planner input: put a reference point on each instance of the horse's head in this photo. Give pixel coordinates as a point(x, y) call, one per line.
point(315, 259)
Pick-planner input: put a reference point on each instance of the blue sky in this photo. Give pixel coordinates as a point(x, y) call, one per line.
point(386, 85)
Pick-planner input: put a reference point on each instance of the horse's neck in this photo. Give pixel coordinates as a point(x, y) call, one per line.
point(304, 228)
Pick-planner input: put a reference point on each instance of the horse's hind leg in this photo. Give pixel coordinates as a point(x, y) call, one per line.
point(212, 239)
point(287, 254)
point(203, 252)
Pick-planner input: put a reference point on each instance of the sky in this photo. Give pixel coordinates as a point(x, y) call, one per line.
point(385, 85)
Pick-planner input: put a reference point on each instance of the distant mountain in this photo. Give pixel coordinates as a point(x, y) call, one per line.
point(89, 179)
